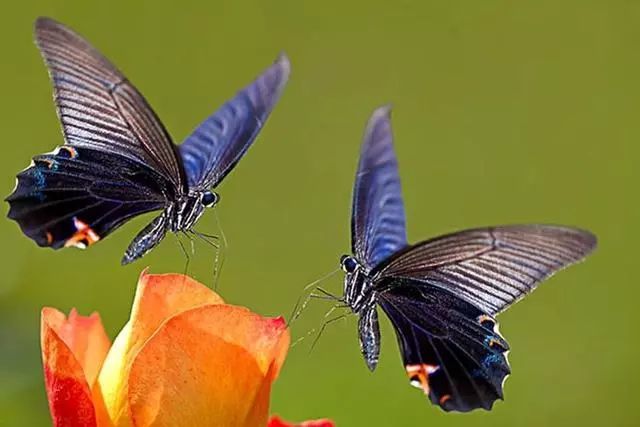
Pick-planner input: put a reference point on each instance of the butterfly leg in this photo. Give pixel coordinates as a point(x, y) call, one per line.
point(301, 304)
point(323, 327)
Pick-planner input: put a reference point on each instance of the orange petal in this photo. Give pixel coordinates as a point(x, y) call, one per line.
point(85, 337)
point(211, 365)
point(158, 297)
point(276, 421)
point(67, 388)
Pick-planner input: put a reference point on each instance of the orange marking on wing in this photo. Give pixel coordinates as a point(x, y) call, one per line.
point(444, 399)
point(495, 343)
point(485, 318)
point(48, 162)
point(72, 151)
point(419, 375)
point(49, 238)
point(83, 237)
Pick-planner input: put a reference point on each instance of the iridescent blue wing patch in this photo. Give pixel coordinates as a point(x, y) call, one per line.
point(77, 196)
point(218, 143)
point(492, 267)
point(378, 219)
point(450, 348)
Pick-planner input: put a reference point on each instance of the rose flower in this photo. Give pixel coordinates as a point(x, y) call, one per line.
point(184, 358)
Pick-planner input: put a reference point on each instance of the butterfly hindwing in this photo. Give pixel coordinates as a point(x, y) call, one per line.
point(218, 143)
point(378, 219)
point(450, 348)
point(491, 267)
point(72, 198)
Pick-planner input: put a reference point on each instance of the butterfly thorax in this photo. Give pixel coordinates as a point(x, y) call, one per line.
point(358, 289)
point(185, 212)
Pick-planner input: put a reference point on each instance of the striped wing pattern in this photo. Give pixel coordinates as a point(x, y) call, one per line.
point(218, 143)
point(98, 107)
point(492, 267)
point(378, 219)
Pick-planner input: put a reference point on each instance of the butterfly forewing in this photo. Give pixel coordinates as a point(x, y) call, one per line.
point(218, 143)
point(378, 219)
point(98, 107)
point(491, 267)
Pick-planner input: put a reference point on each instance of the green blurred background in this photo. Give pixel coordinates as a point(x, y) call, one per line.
point(503, 112)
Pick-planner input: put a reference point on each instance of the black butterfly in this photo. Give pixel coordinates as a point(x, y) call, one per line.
point(441, 295)
point(118, 160)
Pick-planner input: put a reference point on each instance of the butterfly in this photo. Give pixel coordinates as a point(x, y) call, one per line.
point(118, 160)
point(442, 295)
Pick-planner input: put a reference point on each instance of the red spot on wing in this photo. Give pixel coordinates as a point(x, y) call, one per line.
point(419, 375)
point(83, 237)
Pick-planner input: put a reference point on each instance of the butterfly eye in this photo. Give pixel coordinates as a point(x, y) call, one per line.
point(349, 264)
point(209, 199)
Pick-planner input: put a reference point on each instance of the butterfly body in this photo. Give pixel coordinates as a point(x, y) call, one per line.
point(178, 216)
point(118, 160)
point(360, 297)
point(441, 295)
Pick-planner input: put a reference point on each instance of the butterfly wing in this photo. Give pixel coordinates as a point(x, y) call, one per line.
point(378, 220)
point(450, 348)
point(118, 160)
point(218, 143)
point(76, 196)
point(98, 107)
point(491, 267)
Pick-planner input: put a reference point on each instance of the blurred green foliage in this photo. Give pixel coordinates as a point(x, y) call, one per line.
point(503, 112)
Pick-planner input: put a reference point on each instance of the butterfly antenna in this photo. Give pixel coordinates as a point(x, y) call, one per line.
point(327, 314)
point(219, 225)
point(186, 254)
point(211, 241)
point(298, 308)
point(217, 267)
point(220, 255)
point(302, 338)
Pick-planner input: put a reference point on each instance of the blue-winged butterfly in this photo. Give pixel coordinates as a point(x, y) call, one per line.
point(442, 294)
point(118, 160)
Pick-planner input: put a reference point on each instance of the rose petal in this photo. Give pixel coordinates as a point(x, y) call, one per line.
point(158, 297)
point(68, 392)
point(85, 337)
point(211, 365)
point(276, 421)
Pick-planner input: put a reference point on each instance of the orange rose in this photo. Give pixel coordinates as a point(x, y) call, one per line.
point(185, 358)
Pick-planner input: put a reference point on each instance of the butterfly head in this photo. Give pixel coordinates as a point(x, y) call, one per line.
point(348, 264)
point(356, 283)
point(209, 199)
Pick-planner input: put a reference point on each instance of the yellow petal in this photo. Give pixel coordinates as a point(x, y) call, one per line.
point(211, 365)
point(158, 297)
